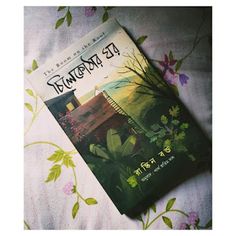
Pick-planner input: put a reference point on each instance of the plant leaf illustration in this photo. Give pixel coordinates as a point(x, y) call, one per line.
point(170, 203)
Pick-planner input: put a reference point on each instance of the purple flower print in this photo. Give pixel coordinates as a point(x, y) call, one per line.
point(171, 78)
point(183, 79)
point(193, 218)
point(68, 188)
point(89, 11)
point(166, 64)
point(183, 226)
point(169, 73)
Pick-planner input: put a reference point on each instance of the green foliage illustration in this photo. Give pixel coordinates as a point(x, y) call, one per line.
point(141, 39)
point(115, 148)
point(64, 158)
point(32, 107)
point(105, 15)
point(115, 152)
point(34, 66)
point(89, 11)
point(192, 220)
point(170, 131)
point(67, 17)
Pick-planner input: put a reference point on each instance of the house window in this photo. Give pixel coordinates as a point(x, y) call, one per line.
point(70, 106)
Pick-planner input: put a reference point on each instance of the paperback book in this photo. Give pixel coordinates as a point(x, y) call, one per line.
point(126, 122)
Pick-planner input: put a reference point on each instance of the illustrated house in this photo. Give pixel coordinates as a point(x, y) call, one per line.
point(95, 117)
point(62, 104)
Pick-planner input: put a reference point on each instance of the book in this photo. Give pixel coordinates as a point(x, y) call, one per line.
point(127, 123)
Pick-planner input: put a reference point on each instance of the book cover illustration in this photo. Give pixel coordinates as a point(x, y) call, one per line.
point(125, 121)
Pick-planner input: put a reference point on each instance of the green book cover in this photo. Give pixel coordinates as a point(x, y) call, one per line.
point(126, 122)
